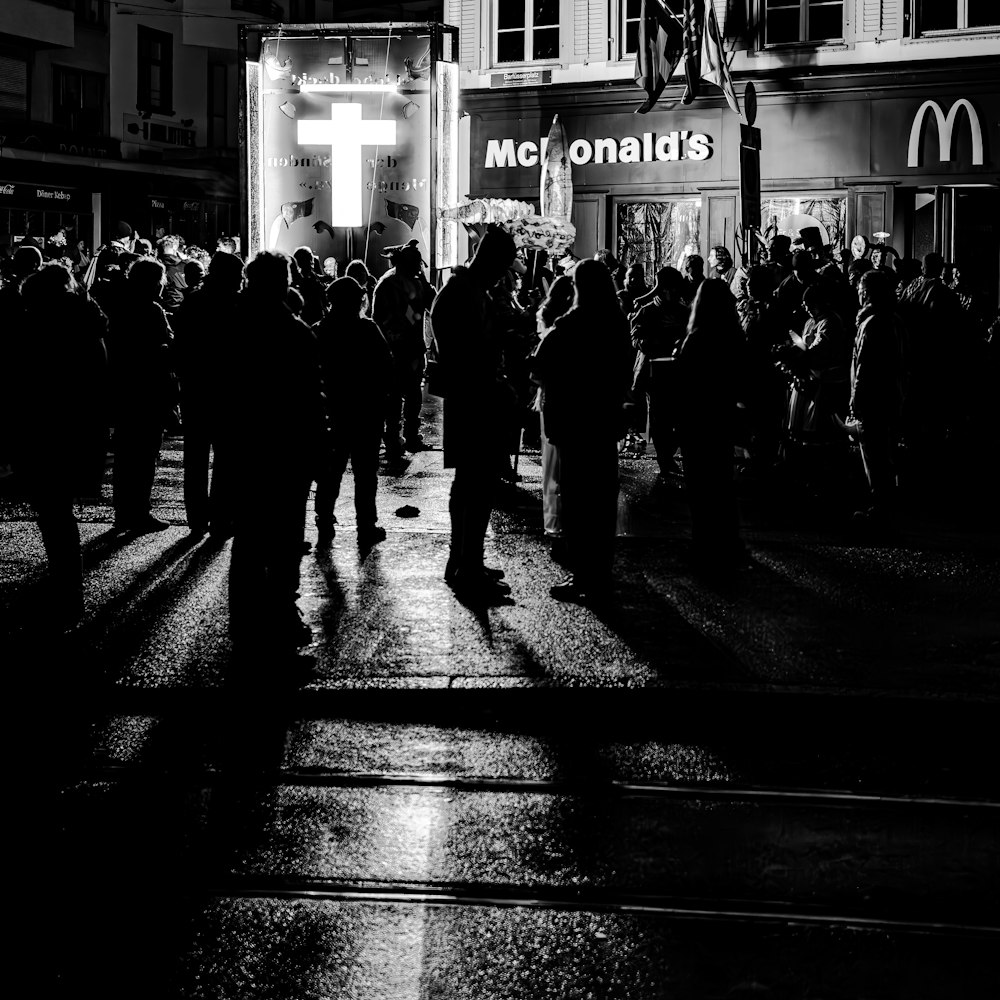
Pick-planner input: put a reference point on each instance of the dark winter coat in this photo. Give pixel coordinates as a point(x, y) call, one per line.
point(467, 345)
point(584, 367)
point(58, 394)
point(274, 408)
point(398, 306)
point(357, 369)
point(143, 385)
point(877, 368)
point(204, 343)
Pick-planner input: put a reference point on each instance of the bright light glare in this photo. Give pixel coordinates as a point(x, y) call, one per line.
point(345, 133)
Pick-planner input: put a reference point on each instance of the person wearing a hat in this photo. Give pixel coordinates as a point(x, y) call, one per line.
point(466, 340)
point(779, 257)
point(401, 298)
point(658, 324)
point(789, 293)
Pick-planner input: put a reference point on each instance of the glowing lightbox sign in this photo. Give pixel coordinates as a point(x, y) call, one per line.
point(346, 128)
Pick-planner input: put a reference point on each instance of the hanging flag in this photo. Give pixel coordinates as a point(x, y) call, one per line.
point(556, 187)
point(714, 67)
point(660, 43)
point(692, 49)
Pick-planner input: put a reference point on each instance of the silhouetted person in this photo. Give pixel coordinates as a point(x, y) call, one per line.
point(468, 354)
point(194, 276)
point(583, 366)
point(309, 285)
point(710, 362)
point(658, 326)
point(57, 398)
point(143, 391)
point(694, 275)
point(634, 288)
point(790, 291)
point(400, 300)
point(877, 389)
point(357, 368)
point(558, 302)
point(276, 418)
point(173, 263)
point(358, 270)
point(205, 344)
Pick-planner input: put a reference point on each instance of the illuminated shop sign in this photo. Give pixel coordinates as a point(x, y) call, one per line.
point(650, 147)
point(945, 130)
point(343, 161)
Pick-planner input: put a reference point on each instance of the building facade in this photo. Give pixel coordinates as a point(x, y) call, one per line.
point(111, 111)
point(876, 116)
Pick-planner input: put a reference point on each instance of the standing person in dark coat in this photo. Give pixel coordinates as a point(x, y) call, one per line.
point(877, 391)
point(658, 325)
point(143, 391)
point(204, 350)
point(583, 365)
point(275, 377)
point(401, 298)
point(710, 360)
point(468, 353)
point(789, 293)
point(56, 410)
point(357, 361)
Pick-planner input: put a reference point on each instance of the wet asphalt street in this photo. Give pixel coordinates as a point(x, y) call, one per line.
point(781, 786)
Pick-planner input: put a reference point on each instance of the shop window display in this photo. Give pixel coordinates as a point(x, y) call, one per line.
point(790, 214)
point(658, 234)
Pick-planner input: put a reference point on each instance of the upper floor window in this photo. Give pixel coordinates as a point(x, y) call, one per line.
point(527, 30)
point(631, 16)
point(955, 15)
point(13, 87)
point(218, 105)
point(155, 71)
point(788, 21)
point(78, 100)
point(91, 12)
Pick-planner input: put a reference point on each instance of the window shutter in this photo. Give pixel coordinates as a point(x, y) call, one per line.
point(590, 30)
point(13, 87)
point(465, 15)
point(880, 19)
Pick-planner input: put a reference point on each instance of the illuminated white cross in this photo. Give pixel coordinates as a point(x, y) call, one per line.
point(345, 133)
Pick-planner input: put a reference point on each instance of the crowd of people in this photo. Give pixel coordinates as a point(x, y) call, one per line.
point(282, 364)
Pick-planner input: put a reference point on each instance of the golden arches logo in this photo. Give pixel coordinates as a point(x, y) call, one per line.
point(945, 128)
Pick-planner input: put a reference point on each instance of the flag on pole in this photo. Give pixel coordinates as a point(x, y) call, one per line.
point(714, 67)
point(692, 49)
point(660, 43)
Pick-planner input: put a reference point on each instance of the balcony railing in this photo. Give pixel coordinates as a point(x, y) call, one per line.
point(268, 10)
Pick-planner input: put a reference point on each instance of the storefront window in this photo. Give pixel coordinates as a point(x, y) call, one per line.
point(527, 30)
point(658, 234)
point(790, 214)
point(788, 21)
point(956, 15)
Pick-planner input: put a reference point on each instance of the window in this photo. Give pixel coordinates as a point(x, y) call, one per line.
point(91, 12)
point(155, 71)
point(218, 106)
point(791, 213)
point(78, 100)
point(657, 233)
point(787, 21)
point(13, 87)
point(956, 15)
point(631, 16)
point(527, 30)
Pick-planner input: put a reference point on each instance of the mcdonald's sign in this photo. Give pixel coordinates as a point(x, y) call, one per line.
point(945, 131)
